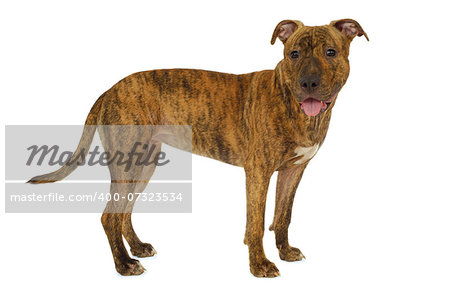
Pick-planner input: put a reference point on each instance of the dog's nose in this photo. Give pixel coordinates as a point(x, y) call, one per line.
point(310, 83)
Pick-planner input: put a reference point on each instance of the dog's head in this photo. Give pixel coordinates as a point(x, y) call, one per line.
point(315, 64)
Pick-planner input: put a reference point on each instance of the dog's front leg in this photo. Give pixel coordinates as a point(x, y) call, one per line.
point(287, 184)
point(257, 183)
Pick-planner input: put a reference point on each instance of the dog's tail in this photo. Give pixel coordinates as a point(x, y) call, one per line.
point(79, 155)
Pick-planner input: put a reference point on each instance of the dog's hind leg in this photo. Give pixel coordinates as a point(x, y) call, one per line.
point(112, 221)
point(123, 144)
point(137, 247)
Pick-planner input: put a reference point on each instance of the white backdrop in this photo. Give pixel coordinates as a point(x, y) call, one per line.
point(371, 214)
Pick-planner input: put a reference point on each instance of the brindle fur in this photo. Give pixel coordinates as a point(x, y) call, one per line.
point(252, 120)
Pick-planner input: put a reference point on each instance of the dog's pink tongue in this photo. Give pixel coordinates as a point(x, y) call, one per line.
point(312, 107)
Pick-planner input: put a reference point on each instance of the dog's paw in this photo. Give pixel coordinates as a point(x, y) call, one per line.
point(265, 268)
point(143, 250)
point(291, 254)
point(133, 267)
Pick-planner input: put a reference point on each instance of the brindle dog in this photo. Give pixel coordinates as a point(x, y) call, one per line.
point(267, 121)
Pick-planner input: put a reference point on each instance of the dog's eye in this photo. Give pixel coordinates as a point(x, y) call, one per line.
point(331, 52)
point(294, 54)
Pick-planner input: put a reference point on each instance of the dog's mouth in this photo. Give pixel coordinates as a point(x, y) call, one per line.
point(312, 106)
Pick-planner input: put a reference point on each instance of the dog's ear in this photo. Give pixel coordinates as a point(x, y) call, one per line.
point(285, 29)
point(350, 28)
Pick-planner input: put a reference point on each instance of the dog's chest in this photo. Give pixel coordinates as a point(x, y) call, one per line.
point(304, 154)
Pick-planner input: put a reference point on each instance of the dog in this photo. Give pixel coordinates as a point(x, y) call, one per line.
point(266, 121)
